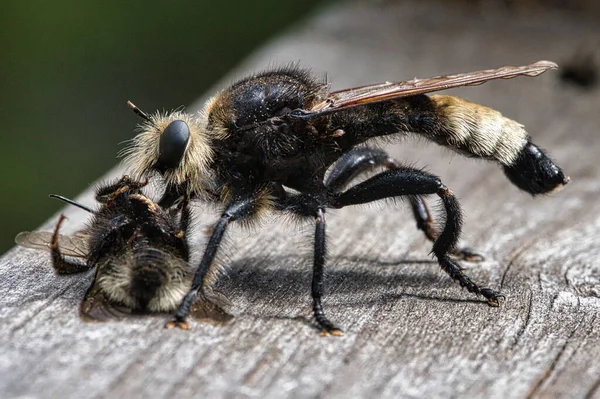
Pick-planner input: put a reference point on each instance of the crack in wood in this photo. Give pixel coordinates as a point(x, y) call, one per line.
point(593, 390)
point(513, 257)
point(550, 369)
point(525, 323)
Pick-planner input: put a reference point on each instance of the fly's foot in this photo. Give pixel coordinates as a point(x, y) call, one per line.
point(178, 324)
point(327, 328)
point(336, 332)
point(493, 297)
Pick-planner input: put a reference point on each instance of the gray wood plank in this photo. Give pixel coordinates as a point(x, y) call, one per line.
point(410, 331)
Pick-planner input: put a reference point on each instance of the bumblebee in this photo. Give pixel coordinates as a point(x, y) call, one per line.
point(267, 142)
point(139, 250)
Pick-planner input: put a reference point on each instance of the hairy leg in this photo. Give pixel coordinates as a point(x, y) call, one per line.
point(364, 159)
point(404, 181)
point(59, 263)
point(205, 275)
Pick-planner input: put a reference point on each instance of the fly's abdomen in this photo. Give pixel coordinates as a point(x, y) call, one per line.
point(483, 132)
point(465, 127)
point(477, 130)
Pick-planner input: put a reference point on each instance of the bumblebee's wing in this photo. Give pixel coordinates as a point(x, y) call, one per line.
point(385, 91)
point(213, 307)
point(75, 245)
point(96, 307)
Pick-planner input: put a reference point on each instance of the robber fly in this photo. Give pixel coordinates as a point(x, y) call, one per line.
point(267, 141)
point(139, 250)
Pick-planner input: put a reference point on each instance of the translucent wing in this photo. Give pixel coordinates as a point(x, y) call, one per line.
point(96, 307)
point(212, 306)
point(385, 91)
point(75, 245)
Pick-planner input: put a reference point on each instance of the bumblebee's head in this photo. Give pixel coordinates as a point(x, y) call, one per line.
point(174, 145)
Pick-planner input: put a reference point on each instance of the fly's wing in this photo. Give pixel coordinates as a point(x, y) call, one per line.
point(343, 99)
point(75, 245)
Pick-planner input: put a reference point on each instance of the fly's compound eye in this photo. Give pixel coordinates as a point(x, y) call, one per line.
point(173, 143)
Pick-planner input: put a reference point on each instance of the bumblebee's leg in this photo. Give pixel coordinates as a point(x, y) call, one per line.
point(59, 263)
point(407, 181)
point(153, 225)
point(186, 216)
point(171, 195)
point(97, 307)
point(111, 191)
point(205, 274)
point(362, 160)
point(184, 224)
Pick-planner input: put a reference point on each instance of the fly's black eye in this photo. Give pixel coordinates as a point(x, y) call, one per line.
point(173, 143)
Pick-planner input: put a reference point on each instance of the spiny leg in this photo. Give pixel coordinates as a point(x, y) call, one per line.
point(407, 181)
point(426, 225)
point(423, 217)
point(312, 205)
point(327, 327)
point(364, 159)
point(236, 210)
point(124, 184)
point(447, 240)
point(186, 215)
point(59, 263)
point(184, 224)
point(355, 163)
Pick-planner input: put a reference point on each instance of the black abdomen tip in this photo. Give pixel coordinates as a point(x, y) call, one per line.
point(533, 171)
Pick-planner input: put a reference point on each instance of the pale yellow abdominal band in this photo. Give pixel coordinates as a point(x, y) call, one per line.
point(479, 130)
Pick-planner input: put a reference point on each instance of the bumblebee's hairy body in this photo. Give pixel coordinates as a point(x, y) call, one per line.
point(283, 129)
point(138, 249)
point(140, 253)
point(116, 276)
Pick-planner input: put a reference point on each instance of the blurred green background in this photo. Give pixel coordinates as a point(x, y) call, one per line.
point(67, 69)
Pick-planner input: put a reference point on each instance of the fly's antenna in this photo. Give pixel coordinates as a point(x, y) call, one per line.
point(70, 201)
point(138, 111)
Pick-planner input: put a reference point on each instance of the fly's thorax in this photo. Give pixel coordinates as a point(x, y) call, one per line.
point(262, 97)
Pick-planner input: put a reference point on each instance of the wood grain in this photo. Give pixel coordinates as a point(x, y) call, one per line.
point(410, 331)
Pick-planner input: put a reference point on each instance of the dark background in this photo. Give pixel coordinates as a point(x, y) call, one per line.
point(67, 69)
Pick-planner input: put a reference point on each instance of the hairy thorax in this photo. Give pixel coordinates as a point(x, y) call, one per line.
point(255, 140)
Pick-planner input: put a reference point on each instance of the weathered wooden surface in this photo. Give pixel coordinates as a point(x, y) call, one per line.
point(410, 331)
